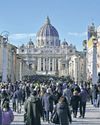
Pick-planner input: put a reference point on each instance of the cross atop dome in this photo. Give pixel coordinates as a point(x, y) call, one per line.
point(47, 20)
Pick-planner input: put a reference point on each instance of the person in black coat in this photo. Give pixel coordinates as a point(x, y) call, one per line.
point(83, 100)
point(75, 99)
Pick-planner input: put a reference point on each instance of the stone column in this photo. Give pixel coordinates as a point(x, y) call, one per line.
point(49, 64)
point(85, 60)
point(12, 65)
point(59, 67)
point(20, 71)
point(39, 64)
point(94, 70)
point(76, 70)
point(53, 64)
point(59, 64)
point(94, 62)
point(85, 67)
point(4, 60)
point(43, 64)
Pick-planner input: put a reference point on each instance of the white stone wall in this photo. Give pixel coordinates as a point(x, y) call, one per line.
point(76, 68)
point(51, 53)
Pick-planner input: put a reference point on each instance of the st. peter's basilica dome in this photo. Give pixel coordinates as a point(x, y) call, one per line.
point(47, 35)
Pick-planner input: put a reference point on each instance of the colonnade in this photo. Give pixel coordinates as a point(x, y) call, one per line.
point(47, 64)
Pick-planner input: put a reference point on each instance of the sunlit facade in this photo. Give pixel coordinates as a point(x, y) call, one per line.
point(49, 56)
point(95, 34)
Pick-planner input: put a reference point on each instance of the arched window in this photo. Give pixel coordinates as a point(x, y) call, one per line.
point(47, 43)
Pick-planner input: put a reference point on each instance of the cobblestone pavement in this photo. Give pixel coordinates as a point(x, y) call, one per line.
point(92, 117)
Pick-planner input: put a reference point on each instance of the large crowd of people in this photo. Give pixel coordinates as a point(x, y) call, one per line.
point(43, 99)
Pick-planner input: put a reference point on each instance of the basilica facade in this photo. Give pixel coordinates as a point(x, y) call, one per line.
point(49, 56)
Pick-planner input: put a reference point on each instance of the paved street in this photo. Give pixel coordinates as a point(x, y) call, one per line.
point(92, 117)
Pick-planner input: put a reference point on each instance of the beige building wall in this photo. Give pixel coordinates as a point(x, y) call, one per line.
point(16, 67)
point(11, 66)
point(22, 69)
point(18, 59)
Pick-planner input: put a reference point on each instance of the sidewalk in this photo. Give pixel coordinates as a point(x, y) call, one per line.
point(92, 117)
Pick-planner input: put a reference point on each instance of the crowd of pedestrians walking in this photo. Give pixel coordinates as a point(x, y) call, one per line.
point(42, 100)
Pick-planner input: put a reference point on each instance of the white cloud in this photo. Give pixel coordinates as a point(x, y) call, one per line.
point(21, 36)
point(77, 34)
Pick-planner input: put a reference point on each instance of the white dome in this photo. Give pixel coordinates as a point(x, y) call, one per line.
point(30, 43)
point(47, 35)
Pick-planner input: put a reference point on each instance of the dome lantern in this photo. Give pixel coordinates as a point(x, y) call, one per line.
point(47, 20)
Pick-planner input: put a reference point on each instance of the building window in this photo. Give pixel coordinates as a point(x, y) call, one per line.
point(42, 42)
point(29, 50)
point(41, 60)
point(56, 64)
point(42, 67)
point(50, 60)
point(47, 43)
point(56, 42)
point(50, 68)
point(41, 64)
point(70, 51)
point(22, 50)
point(52, 43)
point(63, 66)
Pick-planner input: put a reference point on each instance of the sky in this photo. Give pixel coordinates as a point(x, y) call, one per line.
point(22, 19)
